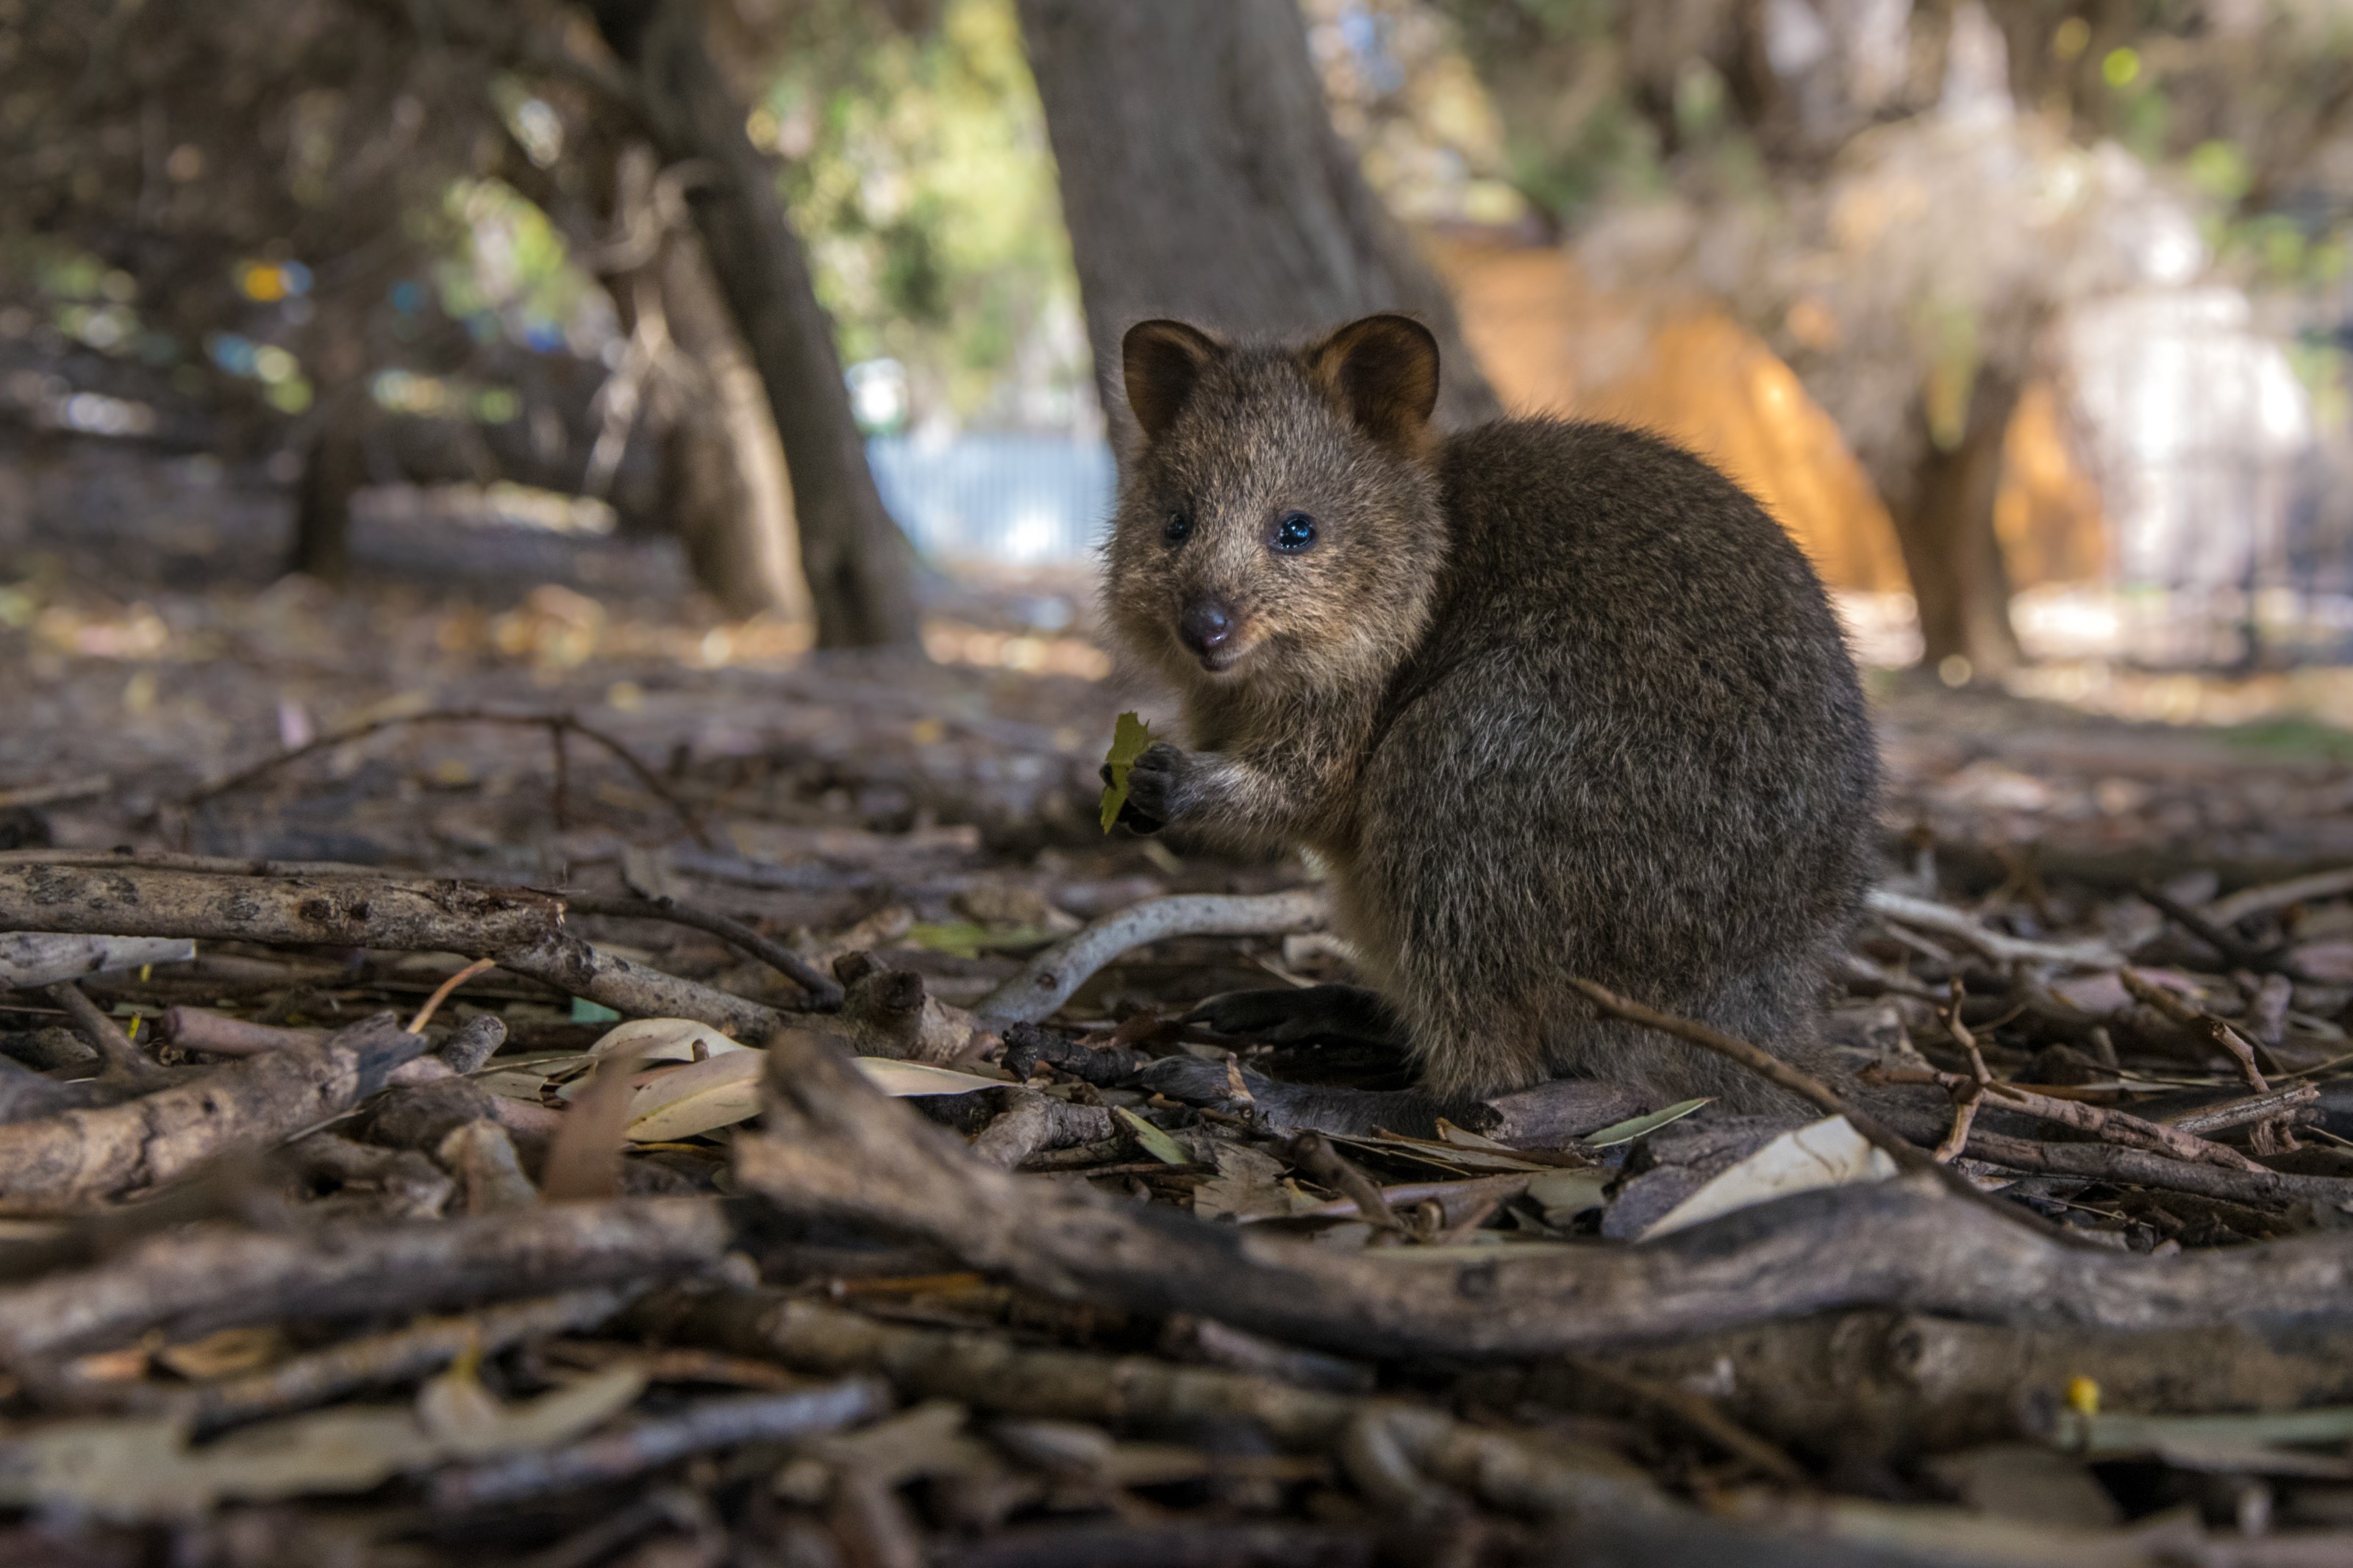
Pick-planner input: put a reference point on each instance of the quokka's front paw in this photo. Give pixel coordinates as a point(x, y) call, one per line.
point(1156, 787)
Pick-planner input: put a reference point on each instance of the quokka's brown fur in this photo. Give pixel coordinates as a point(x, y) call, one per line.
point(1550, 698)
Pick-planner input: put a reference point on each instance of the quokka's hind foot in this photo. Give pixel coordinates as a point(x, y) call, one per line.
point(1285, 1016)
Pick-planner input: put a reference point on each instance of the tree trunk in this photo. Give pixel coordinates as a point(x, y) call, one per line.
point(859, 566)
point(1944, 522)
point(1201, 179)
point(723, 467)
point(335, 466)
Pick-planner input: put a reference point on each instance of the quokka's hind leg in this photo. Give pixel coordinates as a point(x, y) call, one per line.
point(1286, 1015)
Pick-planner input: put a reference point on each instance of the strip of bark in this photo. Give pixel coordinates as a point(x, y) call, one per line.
point(1049, 979)
point(834, 1147)
point(66, 1162)
point(191, 1283)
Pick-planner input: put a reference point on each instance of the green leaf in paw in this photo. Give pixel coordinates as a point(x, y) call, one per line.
point(1129, 740)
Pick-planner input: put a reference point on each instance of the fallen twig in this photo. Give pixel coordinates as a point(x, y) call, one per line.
point(381, 1360)
point(635, 1449)
point(69, 1162)
point(189, 1283)
point(1049, 979)
point(824, 990)
point(2269, 896)
point(2229, 1114)
point(218, 1035)
point(521, 929)
point(556, 724)
point(1929, 915)
point(125, 1062)
point(2111, 1162)
point(2232, 1043)
point(30, 959)
point(835, 1147)
point(2120, 1127)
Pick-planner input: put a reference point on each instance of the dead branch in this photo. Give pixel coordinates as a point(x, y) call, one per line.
point(194, 1282)
point(125, 1062)
point(1928, 915)
point(824, 991)
point(2269, 896)
point(2234, 951)
point(378, 1361)
point(836, 1148)
point(2225, 1114)
point(30, 959)
point(557, 725)
point(218, 1035)
point(64, 1162)
point(1049, 979)
point(2260, 1186)
point(993, 1373)
point(647, 1445)
point(2120, 1127)
point(523, 930)
point(2232, 1043)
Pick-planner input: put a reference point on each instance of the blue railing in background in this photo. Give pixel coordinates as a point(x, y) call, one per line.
point(1022, 501)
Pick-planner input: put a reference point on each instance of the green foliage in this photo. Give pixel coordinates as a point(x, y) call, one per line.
point(918, 170)
point(1129, 740)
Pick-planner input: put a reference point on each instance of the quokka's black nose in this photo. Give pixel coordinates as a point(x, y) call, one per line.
point(1205, 626)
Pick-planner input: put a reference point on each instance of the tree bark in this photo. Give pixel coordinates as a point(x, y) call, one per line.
point(1944, 523)
point(726, 489)
point(335, 466)
point(1201, 179)
point(859, 565)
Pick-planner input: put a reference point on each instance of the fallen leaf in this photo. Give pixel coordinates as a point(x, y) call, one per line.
point(1249, 1185)
point(906, 1080)
point(1130, 738)
point(1825, 1154)
point(1565, 1194)
point(1156, 1143)
point(1635, 1127)
point(697, 1098)
point(665, 1040)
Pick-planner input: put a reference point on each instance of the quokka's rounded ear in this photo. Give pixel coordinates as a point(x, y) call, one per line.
point(1162, 361)
point(1383, 370)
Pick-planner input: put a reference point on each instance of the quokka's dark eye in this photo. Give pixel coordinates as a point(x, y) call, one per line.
point(1294, 533)
point(1178, 528)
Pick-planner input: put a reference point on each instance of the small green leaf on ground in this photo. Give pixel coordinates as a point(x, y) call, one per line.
point(1627, 1131)
point(1156, 1143)
point(1129, 739)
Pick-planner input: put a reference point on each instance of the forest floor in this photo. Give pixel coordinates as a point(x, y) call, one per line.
point(287, 1284)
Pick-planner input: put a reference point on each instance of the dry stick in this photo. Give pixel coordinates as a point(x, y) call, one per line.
point(993, 1373)
point(1315, 1155)
point(1929, 915)
point(378, 1360)
point(1907, 1154)
point(73, 1161)
point(558, 723)
point(635, 1449)
point(2271, 896)
point(193, 1282)
point(2233, 1044)
point(218, 1035)
point(125, 1062)
point(2120, 1127)
point(441, 992)
point(1048, 980)
point(825, 991)
point(1700, 1414)
point(834, 1148)
point(2225, 1114)
point(2138, 1167)
point(2235, 951)
point(1965, 1102)
point(522, 929)
point(30, 958)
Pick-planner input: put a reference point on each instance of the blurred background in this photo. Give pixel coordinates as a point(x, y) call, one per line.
point(357, 357)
